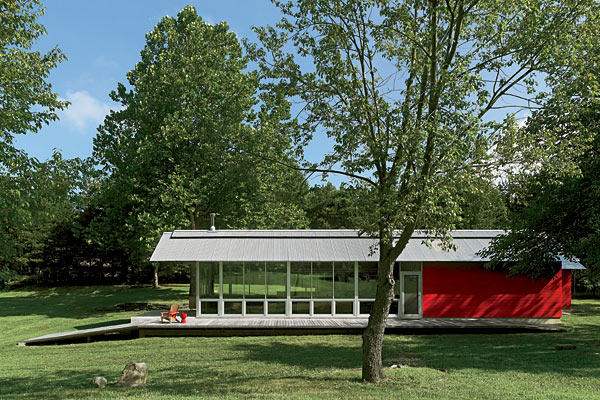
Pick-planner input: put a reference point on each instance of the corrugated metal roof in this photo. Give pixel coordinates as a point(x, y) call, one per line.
point(314, 233)
point(306, 245)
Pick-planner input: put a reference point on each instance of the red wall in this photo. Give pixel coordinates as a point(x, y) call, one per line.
point(566, 286)
point(467, 290)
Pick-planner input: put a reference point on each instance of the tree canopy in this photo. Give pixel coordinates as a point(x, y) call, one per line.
point(404, 88)
point(555, 199)
point(179, 146)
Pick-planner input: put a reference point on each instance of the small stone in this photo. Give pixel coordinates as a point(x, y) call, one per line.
point(393, 366)
point(100, 382)
point(134, 375)
point(565, 347)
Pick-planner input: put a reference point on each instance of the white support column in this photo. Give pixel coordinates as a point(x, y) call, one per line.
point(288, 301)
point(197, 294)
point(356, 304)
point(220, 307)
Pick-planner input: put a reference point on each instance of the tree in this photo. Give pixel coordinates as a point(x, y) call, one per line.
point(404, 88)
point(27, 100)
point(26, 103)
point(555, 209)
point(328, 207)
point(178, 148)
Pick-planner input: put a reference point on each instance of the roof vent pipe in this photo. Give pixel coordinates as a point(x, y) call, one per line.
point(212, 222)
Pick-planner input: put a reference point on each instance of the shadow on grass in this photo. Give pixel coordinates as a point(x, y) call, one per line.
point(309, 355)
point(101, 324)
point(82, 301)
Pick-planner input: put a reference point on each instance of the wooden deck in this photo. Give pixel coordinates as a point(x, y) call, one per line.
point(149, 326)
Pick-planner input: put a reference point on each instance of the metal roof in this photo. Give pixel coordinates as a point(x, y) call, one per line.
point(308, 245)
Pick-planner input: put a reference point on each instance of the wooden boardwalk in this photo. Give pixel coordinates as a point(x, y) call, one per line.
point(80, 334)
point(294, 326)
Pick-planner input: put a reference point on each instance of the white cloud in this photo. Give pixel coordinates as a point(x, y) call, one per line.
point(85, 111)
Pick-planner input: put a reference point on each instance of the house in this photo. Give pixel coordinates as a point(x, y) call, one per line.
point(332, 274)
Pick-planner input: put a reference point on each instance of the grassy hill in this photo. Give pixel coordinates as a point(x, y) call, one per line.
point(501, 366)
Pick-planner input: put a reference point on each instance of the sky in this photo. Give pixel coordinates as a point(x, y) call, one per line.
point(102, 41)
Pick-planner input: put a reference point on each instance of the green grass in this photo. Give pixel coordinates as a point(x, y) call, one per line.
point(511, 366)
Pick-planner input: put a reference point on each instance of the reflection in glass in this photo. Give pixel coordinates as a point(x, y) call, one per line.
point(366, 306)
point(209, 280)
point(276, 281)
point(233, 281)
point(276, 307)
point(411, 294)
point(255, 307)
point(232, 307)
point(367, 280)
point(254, 280)
point(208, 307)
point(300, 307)
point(344, 307)
point(322, 307)
point(343, 280)
point(322, 279)
point(300, 280)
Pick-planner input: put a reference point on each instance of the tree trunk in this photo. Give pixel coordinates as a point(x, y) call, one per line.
point(372, 366)
point(155, 283)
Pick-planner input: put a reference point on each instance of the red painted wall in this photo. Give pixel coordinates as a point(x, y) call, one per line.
point(467, 290)
point(566, 286)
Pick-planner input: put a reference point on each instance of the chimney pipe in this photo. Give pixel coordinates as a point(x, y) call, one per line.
point(212, 222)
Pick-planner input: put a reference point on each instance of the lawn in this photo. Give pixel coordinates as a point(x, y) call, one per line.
point(509, 366)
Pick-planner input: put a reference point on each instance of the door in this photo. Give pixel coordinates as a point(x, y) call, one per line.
point(410, 295)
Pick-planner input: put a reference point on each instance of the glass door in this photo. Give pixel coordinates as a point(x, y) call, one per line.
point(410, 296)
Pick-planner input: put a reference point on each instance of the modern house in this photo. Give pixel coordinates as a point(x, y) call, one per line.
point(333, 273)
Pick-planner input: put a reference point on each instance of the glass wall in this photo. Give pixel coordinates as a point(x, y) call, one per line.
point(295, 288)
point(209, 281)
point(367, 286)
point(254, 280)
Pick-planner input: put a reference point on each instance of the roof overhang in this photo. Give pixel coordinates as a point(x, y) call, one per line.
point(311, 245)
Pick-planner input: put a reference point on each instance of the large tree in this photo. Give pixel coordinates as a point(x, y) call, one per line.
point(405, 89)
point(555, 202)
point(26, 101)
point(179, 146)
point(26, 104)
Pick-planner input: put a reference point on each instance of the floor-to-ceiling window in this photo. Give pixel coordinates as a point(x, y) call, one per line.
point(344, 287)
point(303, 288)
point(209, 287)
point(254, 287)
point(276, 288)
point(300, 287)
point(233, 288)
point(367, 285)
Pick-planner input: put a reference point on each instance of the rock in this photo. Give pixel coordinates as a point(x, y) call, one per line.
point(134, 374)
point(100, 382)
point(565, 347)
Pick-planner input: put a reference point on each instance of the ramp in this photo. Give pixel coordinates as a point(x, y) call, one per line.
point(83, 333)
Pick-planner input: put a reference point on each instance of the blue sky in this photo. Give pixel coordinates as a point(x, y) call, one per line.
point(102, 41)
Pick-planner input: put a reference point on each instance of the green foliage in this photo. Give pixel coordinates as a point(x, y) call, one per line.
point(331, 208)
point(555, 208)
point(179, 147)
point(27, 100)
point(482, 206)
point(470, 366)
point(50, 195)
point(404, 89)
point(26, 103)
